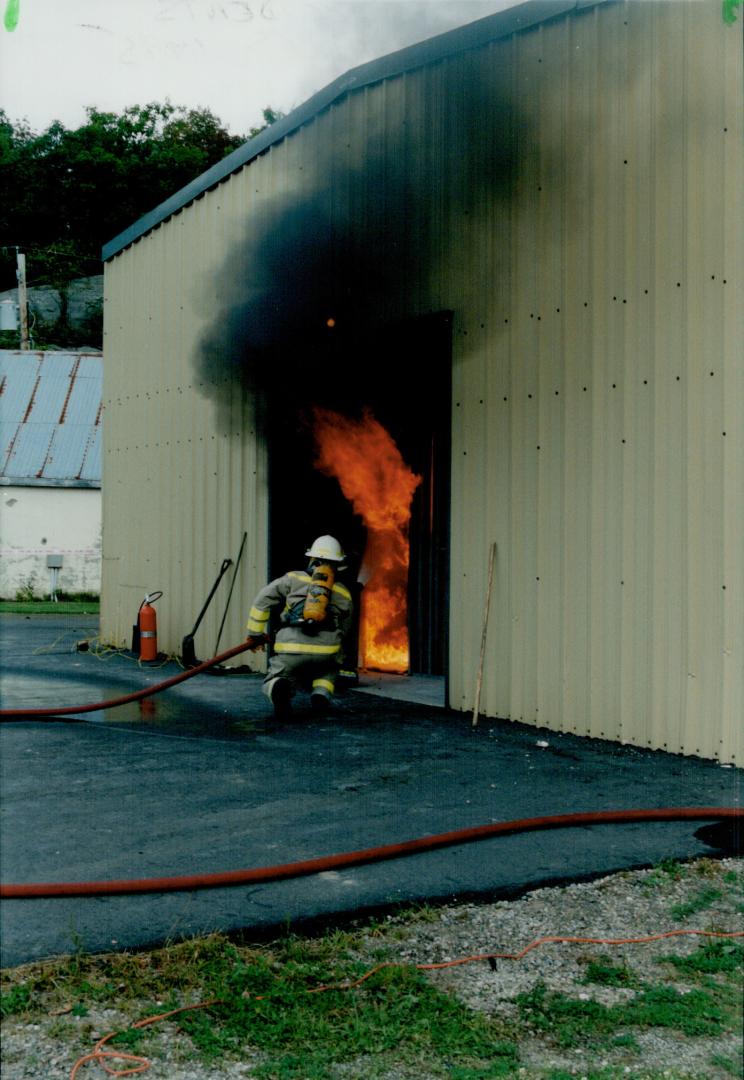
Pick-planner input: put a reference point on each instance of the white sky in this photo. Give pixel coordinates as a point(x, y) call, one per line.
point(232, 56)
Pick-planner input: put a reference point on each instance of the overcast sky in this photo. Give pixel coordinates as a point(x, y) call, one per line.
point(232, 56)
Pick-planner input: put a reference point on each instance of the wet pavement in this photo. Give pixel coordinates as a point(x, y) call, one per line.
point(201, 779)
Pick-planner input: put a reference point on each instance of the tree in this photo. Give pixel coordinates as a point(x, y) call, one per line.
point(69, 191)
point(270, 116)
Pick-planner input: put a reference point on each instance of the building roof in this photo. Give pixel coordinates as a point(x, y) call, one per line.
point(473, 35)
point(50, 418)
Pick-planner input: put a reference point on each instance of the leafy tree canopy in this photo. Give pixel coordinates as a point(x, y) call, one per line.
point(69, 191)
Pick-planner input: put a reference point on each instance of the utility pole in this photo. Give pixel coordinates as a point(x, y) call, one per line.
point(22, 298)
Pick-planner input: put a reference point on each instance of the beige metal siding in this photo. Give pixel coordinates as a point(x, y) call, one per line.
point(619, 524)
point(572, 194)
point(181, 484)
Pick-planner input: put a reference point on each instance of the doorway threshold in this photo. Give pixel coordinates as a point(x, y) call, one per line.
point(420, 689)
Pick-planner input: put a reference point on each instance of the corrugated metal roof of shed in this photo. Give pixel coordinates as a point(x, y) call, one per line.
point(16, 393)
point(463, 38)
point(91, 469)
point(50, 414)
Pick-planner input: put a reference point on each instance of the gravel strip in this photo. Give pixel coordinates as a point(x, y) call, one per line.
point(705, 895)
point(632, 904)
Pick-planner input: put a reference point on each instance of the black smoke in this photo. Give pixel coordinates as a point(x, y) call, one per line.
point(317, 276)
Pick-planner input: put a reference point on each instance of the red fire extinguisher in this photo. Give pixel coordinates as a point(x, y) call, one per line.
point(147, 624)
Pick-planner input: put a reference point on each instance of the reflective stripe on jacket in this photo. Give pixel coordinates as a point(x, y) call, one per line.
point(287, 591)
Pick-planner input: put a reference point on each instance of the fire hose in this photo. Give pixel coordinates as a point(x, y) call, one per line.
point(188, 882)
point(137, 695)
point(368, 855)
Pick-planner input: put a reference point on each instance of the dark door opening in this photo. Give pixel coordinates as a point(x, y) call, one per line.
point(402, 374)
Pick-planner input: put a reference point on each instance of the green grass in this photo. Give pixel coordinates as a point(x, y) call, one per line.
point(396, 1010)
point(714, 957)
point(727, 1064)
point(711, 1008)
point(574, 1022)
point(666, 873)
point(618, 1072)
point(603, 972)
point(17, 1000)
point(266, 1004)
point(700, 901)
point(50, 607)
point(400, 1019)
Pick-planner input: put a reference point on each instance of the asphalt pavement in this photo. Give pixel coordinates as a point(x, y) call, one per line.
point(201, 778)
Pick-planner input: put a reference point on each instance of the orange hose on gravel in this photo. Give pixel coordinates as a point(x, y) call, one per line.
point(143, 1064)
point(148, 691)
point(367, 855)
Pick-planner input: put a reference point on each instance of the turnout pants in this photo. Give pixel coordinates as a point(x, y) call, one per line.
point(311, 666)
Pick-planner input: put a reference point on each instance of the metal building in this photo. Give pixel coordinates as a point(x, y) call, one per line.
point(523, 242)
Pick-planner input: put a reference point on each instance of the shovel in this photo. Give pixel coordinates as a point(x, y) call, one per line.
point(188, 654)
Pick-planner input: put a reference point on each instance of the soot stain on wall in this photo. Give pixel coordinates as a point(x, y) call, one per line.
point(356, 244)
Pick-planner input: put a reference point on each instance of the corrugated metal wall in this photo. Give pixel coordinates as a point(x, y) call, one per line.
point(602, 413)
point(181, 484)
point(574, 195)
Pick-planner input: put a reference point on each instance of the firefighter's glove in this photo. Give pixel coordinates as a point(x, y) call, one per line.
point(256, 642)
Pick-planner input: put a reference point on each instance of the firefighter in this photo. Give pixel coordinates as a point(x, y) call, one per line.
point(315, 614)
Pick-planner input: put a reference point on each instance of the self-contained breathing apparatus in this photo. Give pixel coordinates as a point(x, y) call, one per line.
point(312, 611)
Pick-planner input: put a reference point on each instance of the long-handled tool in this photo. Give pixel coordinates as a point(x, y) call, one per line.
point(188, 654)
point(229, 595)
point(219, 669)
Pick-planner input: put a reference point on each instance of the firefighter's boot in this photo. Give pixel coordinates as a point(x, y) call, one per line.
point(319, 704)
point(281, 698)
point(320, 694)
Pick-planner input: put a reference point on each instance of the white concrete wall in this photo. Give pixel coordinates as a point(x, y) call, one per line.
point(40, 521)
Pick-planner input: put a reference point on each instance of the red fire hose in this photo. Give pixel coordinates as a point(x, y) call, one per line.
point(148, 691)
point(368, 855)
point(328, 862)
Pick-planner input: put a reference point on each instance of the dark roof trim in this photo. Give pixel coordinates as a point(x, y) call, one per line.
point(461, 39)
point(47, 482)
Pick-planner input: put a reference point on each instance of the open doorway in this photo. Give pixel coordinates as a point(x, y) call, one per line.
point(402, 375)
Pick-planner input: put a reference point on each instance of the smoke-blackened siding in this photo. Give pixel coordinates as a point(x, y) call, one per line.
point(572, 194)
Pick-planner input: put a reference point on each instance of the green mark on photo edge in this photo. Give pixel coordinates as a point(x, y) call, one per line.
point(729, 10)
point(11, 14)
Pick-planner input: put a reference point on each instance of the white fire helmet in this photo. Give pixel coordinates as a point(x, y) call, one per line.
point(326, 547)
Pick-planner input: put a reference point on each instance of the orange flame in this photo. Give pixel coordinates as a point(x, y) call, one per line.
point(375, 479)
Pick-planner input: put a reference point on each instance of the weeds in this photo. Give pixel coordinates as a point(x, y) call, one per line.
point(27, 589)
point(130, 1040)
point(569, 1021)
point(281, 1007)
point(17, 1000)
point(664, 874)
point(395, 1010)
point(693, 1013)
point(701, 900)
point(707, 1010)
point(727, 1064)
point(711, 958)
point(573, 1022)
point(604, 973)
point(619, 1072)
point(268, 1001)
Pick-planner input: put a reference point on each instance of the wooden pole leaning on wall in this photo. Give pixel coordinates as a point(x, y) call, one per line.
point(484, 634)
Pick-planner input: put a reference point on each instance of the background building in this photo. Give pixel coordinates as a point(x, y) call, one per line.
point(520, 246)
point(50, 473)
point(56, 315)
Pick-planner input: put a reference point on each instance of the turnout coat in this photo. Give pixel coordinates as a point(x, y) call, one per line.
point(286, 595)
